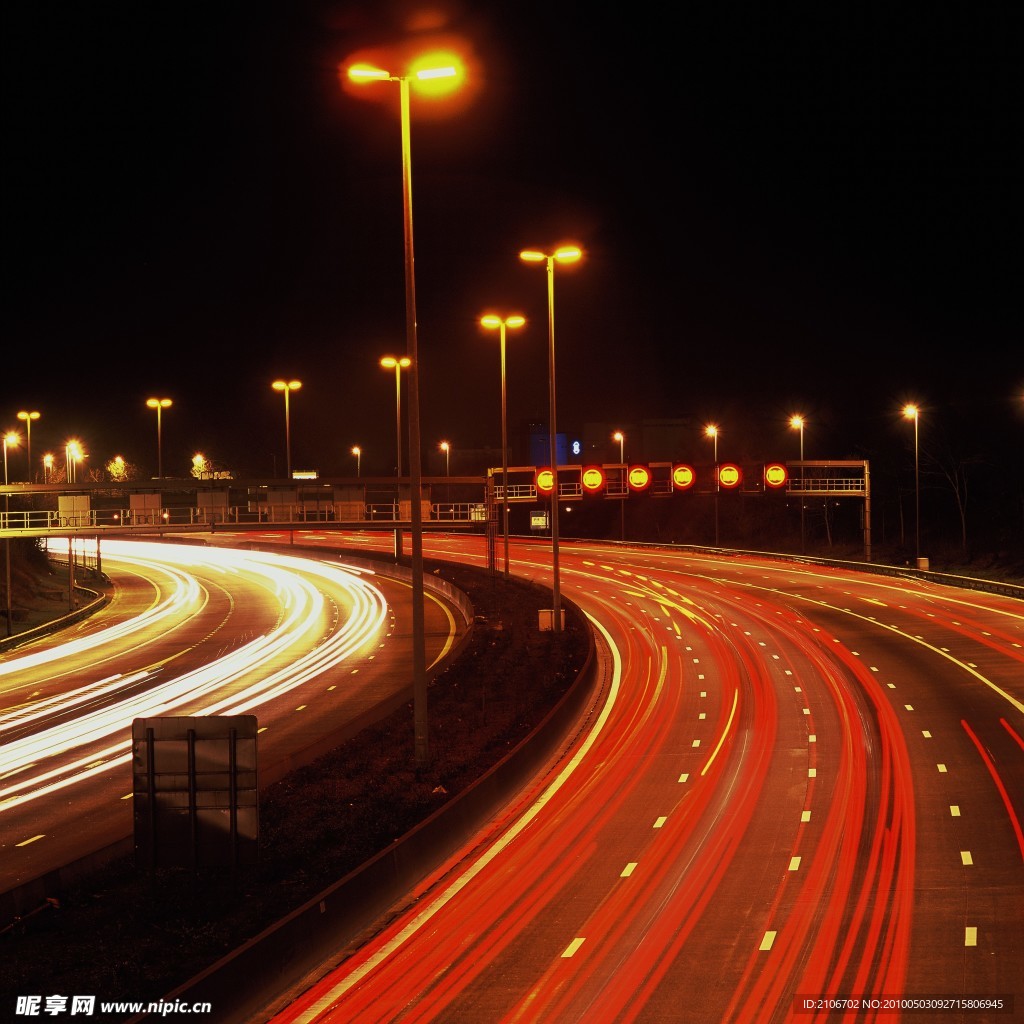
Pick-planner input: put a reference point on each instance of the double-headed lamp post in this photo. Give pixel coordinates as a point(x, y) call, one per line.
point(437, 78)
point(621, 438)
point(159, 404)
point(494, 322)
point(797, 423)
point(287, 386)
point(563, 254)
point(398, 364)
point(912, 412)
point(28, 417)
point(711, 430)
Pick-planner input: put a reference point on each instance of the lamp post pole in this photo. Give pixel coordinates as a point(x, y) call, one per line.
point(357, 73)
point(28, 417)
point(397, 364)
point(287, 386)
point(621, 438)
point(565, 254)
point(797, 422)
point(159, 404)
point(491, 321)
point(9, 439)
point(712, 431)
point(447, 449)
point(358, 453)
point(912, 412)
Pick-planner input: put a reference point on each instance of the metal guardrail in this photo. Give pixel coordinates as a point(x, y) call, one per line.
point(37, 521)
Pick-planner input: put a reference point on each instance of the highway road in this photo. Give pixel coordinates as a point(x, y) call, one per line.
point(305, 644)
point(799, 796)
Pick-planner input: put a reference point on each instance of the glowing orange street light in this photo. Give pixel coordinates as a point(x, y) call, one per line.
point(358, 453)
point(563, 254)
point(493, 322)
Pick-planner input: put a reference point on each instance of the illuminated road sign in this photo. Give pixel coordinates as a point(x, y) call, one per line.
point(545, 481)
point(639, 478)
point(729, 475)
point(593, 479)
point(775, 474)
point(683, 477)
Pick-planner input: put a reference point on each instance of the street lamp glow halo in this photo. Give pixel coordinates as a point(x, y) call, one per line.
point(492, 321)
point(159, 403)
point(390, 362)
point(291, 385)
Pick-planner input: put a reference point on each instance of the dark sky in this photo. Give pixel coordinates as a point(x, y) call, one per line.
point(813, 207)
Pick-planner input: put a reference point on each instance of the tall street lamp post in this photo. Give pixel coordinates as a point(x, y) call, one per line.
point(358, 453)
point(621, 438)
point(446, 447)
point(797, 423)
point(435, 76)
point(47, 468)
point(398, 364)
point(564, 254)
point(493, 322)
point(73, 454)
point(712, 431)
point(10, 441)
point(287, 386)
point(159, 404)
point(28, 417)
point(911, 412)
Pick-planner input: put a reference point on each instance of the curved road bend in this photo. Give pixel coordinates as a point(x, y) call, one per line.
point(802, 784)
point(302, 643)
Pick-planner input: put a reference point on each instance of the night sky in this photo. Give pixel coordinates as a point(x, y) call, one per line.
point(813, 208)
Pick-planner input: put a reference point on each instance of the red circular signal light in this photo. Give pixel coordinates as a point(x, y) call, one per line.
point(775, 474)
point(592, 479)
point(729, 475)
point(638, 478)
point(683, 477)
point(545, 481)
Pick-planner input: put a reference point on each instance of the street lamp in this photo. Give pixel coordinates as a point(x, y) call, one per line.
point(712, 431)
point(28, 417)
point(911, 412)
point(564, 254)
point(797, 423)
point(287, 386)
point(47, 467)
point(358, 453)
point(159, 404)
point(447, 449)
point(73, 454)
point(621, 438)
point(10, 441)
point(493, 322)
point(397, 364)
point(434, 78)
